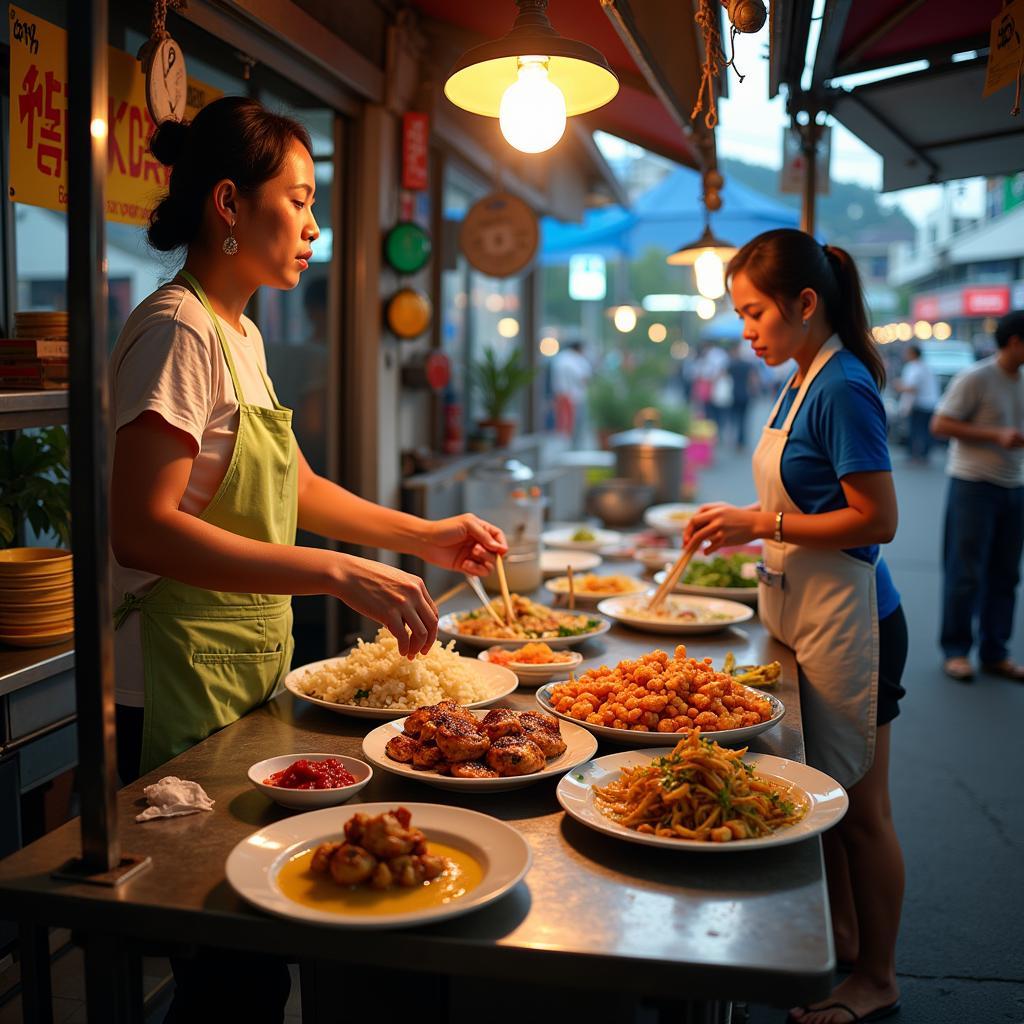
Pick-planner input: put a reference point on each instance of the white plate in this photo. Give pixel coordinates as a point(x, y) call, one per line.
point(659, 517)
point(309, 799)
point(447, 627)
point(252, 866)
point(560, 587)
point(500, 681)
point(562, 538)
point(534, 675)
point(615, 607)
point(580, 746)
point(554, 563)
point(748, 595)
point(727, 737)
point(828, 801)
point(656, 558)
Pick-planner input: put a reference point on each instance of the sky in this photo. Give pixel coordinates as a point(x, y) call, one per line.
point(750, 128)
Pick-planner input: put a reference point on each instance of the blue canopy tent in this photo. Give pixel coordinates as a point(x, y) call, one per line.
point(665, 217)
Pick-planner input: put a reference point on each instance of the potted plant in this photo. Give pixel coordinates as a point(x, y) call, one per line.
point(34, 487)
point(497, 383)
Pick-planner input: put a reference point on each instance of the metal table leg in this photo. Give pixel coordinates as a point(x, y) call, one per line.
point(113, 980)
point(36, 990)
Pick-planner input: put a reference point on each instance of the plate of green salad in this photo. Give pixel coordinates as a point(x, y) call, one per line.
point(731, 576)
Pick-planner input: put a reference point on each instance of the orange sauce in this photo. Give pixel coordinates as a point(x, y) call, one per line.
point(299, 883)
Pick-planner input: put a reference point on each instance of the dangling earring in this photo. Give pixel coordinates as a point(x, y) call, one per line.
point(803, 323)
point(230, 245)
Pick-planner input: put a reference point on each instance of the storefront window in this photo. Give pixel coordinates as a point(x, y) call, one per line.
point(477, 312)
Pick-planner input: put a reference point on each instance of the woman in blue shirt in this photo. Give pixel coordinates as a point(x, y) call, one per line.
point(825, 504)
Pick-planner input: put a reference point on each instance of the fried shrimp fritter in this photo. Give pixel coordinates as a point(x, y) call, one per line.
point(515, 755)
point(351, 865)
point(428, 756)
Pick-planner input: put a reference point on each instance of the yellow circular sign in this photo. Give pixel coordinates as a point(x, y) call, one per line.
point(408, 313)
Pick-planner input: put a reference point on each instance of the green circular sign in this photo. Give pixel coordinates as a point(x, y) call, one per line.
point(407, 247)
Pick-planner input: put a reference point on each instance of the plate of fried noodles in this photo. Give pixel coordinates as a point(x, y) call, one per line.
point(701, 797)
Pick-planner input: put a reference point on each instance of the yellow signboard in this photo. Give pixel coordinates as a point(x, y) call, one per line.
point(38, 118)
point(1006, 49)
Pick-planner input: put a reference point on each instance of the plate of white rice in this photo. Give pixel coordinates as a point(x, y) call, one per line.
point(374, 681)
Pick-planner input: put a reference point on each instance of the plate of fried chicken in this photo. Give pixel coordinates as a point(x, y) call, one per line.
point(452, 747)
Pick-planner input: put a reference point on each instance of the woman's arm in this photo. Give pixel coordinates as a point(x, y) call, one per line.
point(462, 543)
point(149, 532)
point(870, 518)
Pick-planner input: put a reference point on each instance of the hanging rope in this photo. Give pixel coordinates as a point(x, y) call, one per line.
point(715, 60)
point(158, 31)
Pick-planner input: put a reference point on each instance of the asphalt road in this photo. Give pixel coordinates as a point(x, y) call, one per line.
point(957, 786)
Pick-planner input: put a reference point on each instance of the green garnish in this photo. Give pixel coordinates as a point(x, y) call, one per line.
point(362, 694)
point(579, 776)
point(584, 535)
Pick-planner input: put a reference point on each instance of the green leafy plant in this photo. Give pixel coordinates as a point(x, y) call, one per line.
point(614, 400)
point(34, 484)
point(498, 381)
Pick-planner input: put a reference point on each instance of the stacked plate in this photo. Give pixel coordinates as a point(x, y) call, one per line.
point(49, 324)
point(36, 598)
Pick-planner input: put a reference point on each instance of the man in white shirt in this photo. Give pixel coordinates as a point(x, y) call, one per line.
point(570, 374)
point(982, 412)
point(919, 394)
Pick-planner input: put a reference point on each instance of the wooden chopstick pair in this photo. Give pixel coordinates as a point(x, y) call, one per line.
point(673, 576)
point(510, 611)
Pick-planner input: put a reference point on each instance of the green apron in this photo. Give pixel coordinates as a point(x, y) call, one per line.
point(209, 657)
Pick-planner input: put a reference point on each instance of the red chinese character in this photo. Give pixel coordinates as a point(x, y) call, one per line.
point(30, 103)
point(51, 142)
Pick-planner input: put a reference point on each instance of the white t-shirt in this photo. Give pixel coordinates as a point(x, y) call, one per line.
point(168, 360)
point(987, 396)
point(570, 373)
point(917, 374)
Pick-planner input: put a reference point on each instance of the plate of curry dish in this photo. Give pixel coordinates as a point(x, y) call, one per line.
point(380, 865)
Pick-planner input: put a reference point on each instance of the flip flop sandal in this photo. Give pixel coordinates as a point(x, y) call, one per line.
point(880, 1014)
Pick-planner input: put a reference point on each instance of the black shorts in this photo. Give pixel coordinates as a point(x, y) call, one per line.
point(892, 657)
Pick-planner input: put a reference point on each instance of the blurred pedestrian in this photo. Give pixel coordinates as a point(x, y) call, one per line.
point(743, 376)
point(982, 412)
point(570, 375)
point(919, 394)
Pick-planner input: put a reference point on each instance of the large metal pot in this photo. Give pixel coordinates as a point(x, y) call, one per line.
point(651, 455)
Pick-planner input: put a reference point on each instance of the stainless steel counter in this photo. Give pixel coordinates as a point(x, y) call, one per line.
point(593, 913)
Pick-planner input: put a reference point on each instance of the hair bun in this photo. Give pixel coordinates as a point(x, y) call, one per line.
point(168, 141)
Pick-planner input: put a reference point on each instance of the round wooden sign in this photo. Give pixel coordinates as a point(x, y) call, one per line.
point(166, 82)
point(500, 235)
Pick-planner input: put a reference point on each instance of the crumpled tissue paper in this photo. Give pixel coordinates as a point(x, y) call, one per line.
point(171, 797)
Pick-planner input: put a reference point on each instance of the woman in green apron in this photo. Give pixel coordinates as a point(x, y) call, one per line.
point(825, 504)
point(208, 485)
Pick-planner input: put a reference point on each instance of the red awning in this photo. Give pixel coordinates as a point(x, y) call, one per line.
point(636, 113)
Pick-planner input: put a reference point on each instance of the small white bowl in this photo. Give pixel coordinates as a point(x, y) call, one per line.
point(535, 675)
point(556, 563)
point(309, 799)
point(656, 558)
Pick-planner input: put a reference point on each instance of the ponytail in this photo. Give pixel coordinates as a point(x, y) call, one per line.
point(782, 263)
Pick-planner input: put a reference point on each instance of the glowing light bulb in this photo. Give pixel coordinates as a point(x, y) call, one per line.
point(549, 346)
point(706, 308)
point(532, 110)
point(942, 331)
point(922, 330)
point(657, 333)
point(624, 319)
point(709, 274)
point(508, 327)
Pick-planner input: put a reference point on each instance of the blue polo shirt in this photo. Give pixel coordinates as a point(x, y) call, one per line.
point(839, 429)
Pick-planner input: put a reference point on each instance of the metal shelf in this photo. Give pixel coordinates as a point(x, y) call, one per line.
point(21, 666)
point(21, 409)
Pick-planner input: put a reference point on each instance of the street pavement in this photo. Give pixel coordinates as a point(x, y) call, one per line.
point(956, 781)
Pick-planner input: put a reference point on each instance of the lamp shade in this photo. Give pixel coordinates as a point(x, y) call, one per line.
point(482, 75)
point(689, 254)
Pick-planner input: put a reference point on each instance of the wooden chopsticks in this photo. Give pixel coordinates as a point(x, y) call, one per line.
point(572, 588)
point(509, 609)
point(673, 576)
point(451, 592)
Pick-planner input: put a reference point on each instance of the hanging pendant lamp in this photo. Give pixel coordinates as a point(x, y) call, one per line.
point(708, 256)
point(531, 79)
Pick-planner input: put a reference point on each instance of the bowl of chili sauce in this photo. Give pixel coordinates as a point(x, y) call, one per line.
point(308, 781)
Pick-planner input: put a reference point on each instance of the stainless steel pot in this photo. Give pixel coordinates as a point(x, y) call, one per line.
point(651, 455)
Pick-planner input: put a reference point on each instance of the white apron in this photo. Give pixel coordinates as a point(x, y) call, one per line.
point(823, 604)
